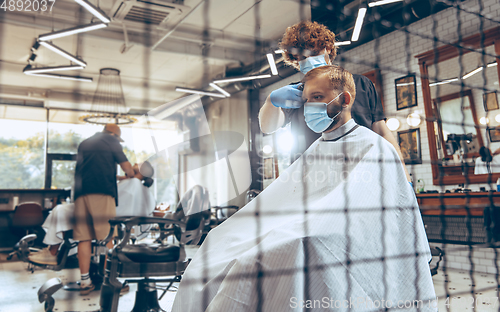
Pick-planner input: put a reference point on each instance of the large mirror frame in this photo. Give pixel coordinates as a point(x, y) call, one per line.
point(489, 37)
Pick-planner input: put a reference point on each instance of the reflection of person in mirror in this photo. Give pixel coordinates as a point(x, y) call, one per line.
point(488, 162)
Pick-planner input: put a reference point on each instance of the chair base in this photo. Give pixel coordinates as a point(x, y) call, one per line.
point(146, 297)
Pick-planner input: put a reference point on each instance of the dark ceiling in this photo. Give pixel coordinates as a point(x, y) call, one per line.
point(340, 17)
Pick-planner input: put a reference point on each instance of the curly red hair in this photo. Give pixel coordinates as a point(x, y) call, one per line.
point(307, 38)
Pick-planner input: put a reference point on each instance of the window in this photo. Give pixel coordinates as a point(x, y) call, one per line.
point(22, 147)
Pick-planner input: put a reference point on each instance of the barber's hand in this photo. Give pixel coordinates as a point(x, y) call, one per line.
point(287, 97)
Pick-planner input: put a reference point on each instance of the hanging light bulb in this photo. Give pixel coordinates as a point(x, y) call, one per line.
point(267, 149)
point(484, 120)
point(393, 124)
point(413, 119)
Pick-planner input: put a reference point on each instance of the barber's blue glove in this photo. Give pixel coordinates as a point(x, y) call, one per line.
point(287, 97)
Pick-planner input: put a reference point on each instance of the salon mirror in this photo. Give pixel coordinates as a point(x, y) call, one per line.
point(457, 118)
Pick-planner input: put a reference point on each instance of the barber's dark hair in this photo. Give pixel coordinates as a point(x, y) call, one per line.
point(147, 182)
point(485, 154)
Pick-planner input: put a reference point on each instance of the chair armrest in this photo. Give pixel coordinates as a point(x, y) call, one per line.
point(135, 220)
point(130, 222)
point(225, 207)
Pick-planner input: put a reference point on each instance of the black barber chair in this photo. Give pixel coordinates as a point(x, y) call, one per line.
point(153, 262)
point(23, 248)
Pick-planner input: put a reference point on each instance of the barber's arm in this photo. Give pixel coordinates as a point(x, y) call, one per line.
point(127, 168)
point(271, 116)
point(381, 129)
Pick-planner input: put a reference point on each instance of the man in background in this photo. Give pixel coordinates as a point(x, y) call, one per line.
point(96, 195)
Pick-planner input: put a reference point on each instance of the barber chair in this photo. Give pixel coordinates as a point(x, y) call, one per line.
point(194, 200)
point(27, 216)
point(151, 262)
point(222, 213)
point(436, 252)
point(23, 249)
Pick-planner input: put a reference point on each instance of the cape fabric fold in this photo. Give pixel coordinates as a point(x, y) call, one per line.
point(339, 229)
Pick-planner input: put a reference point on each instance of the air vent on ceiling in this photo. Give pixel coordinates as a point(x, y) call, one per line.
point(162, 14)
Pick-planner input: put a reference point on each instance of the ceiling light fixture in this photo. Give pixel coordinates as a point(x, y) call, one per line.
point(35, 46)
point(279, 51)
point(29, 70)
point(475, 71)
point(342, 43)
point(94, 10)
point(242, 78)
point(484, 120)
point(63, 53)
point(64, 77)
point(216, 87)
point(359, 23)
point(71, 31)
point(443, 82)
point(199, 92)
point(492, 64)
point(272, 63)
point(382, 2)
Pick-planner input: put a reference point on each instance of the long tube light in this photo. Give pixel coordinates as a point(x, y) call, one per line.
point(279, 51)
point(64, 77)
point(94, 11)
point(71, 31)
point(382, 2)
point(475, 71)
point(492, 64)
point(342, 43)
point(242, 78)
point(63, 53)
point(359, 23)
point(216, 87)
point(29, 70)
point(272, 63)
point(443, 82)
point(199, 92)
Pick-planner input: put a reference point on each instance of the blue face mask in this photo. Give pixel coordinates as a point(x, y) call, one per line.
point(312, 62)
point(316, 115)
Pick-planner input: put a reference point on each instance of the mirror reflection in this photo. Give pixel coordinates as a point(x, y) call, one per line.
point(464, 102)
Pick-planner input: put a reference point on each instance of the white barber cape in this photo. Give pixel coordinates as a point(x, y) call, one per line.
point(134, 199)
point(339, 229)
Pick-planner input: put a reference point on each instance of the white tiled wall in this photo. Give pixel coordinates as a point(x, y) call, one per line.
point(461, 257)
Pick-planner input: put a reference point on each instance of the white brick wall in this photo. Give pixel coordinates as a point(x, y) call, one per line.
point(457, 257)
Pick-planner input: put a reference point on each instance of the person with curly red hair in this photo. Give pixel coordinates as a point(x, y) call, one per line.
point(307, 45)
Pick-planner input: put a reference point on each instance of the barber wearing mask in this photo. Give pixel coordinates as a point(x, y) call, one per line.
point(308, 45)
point(96, 195)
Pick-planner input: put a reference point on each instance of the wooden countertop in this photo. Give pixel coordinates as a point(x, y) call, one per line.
point(457, 204)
